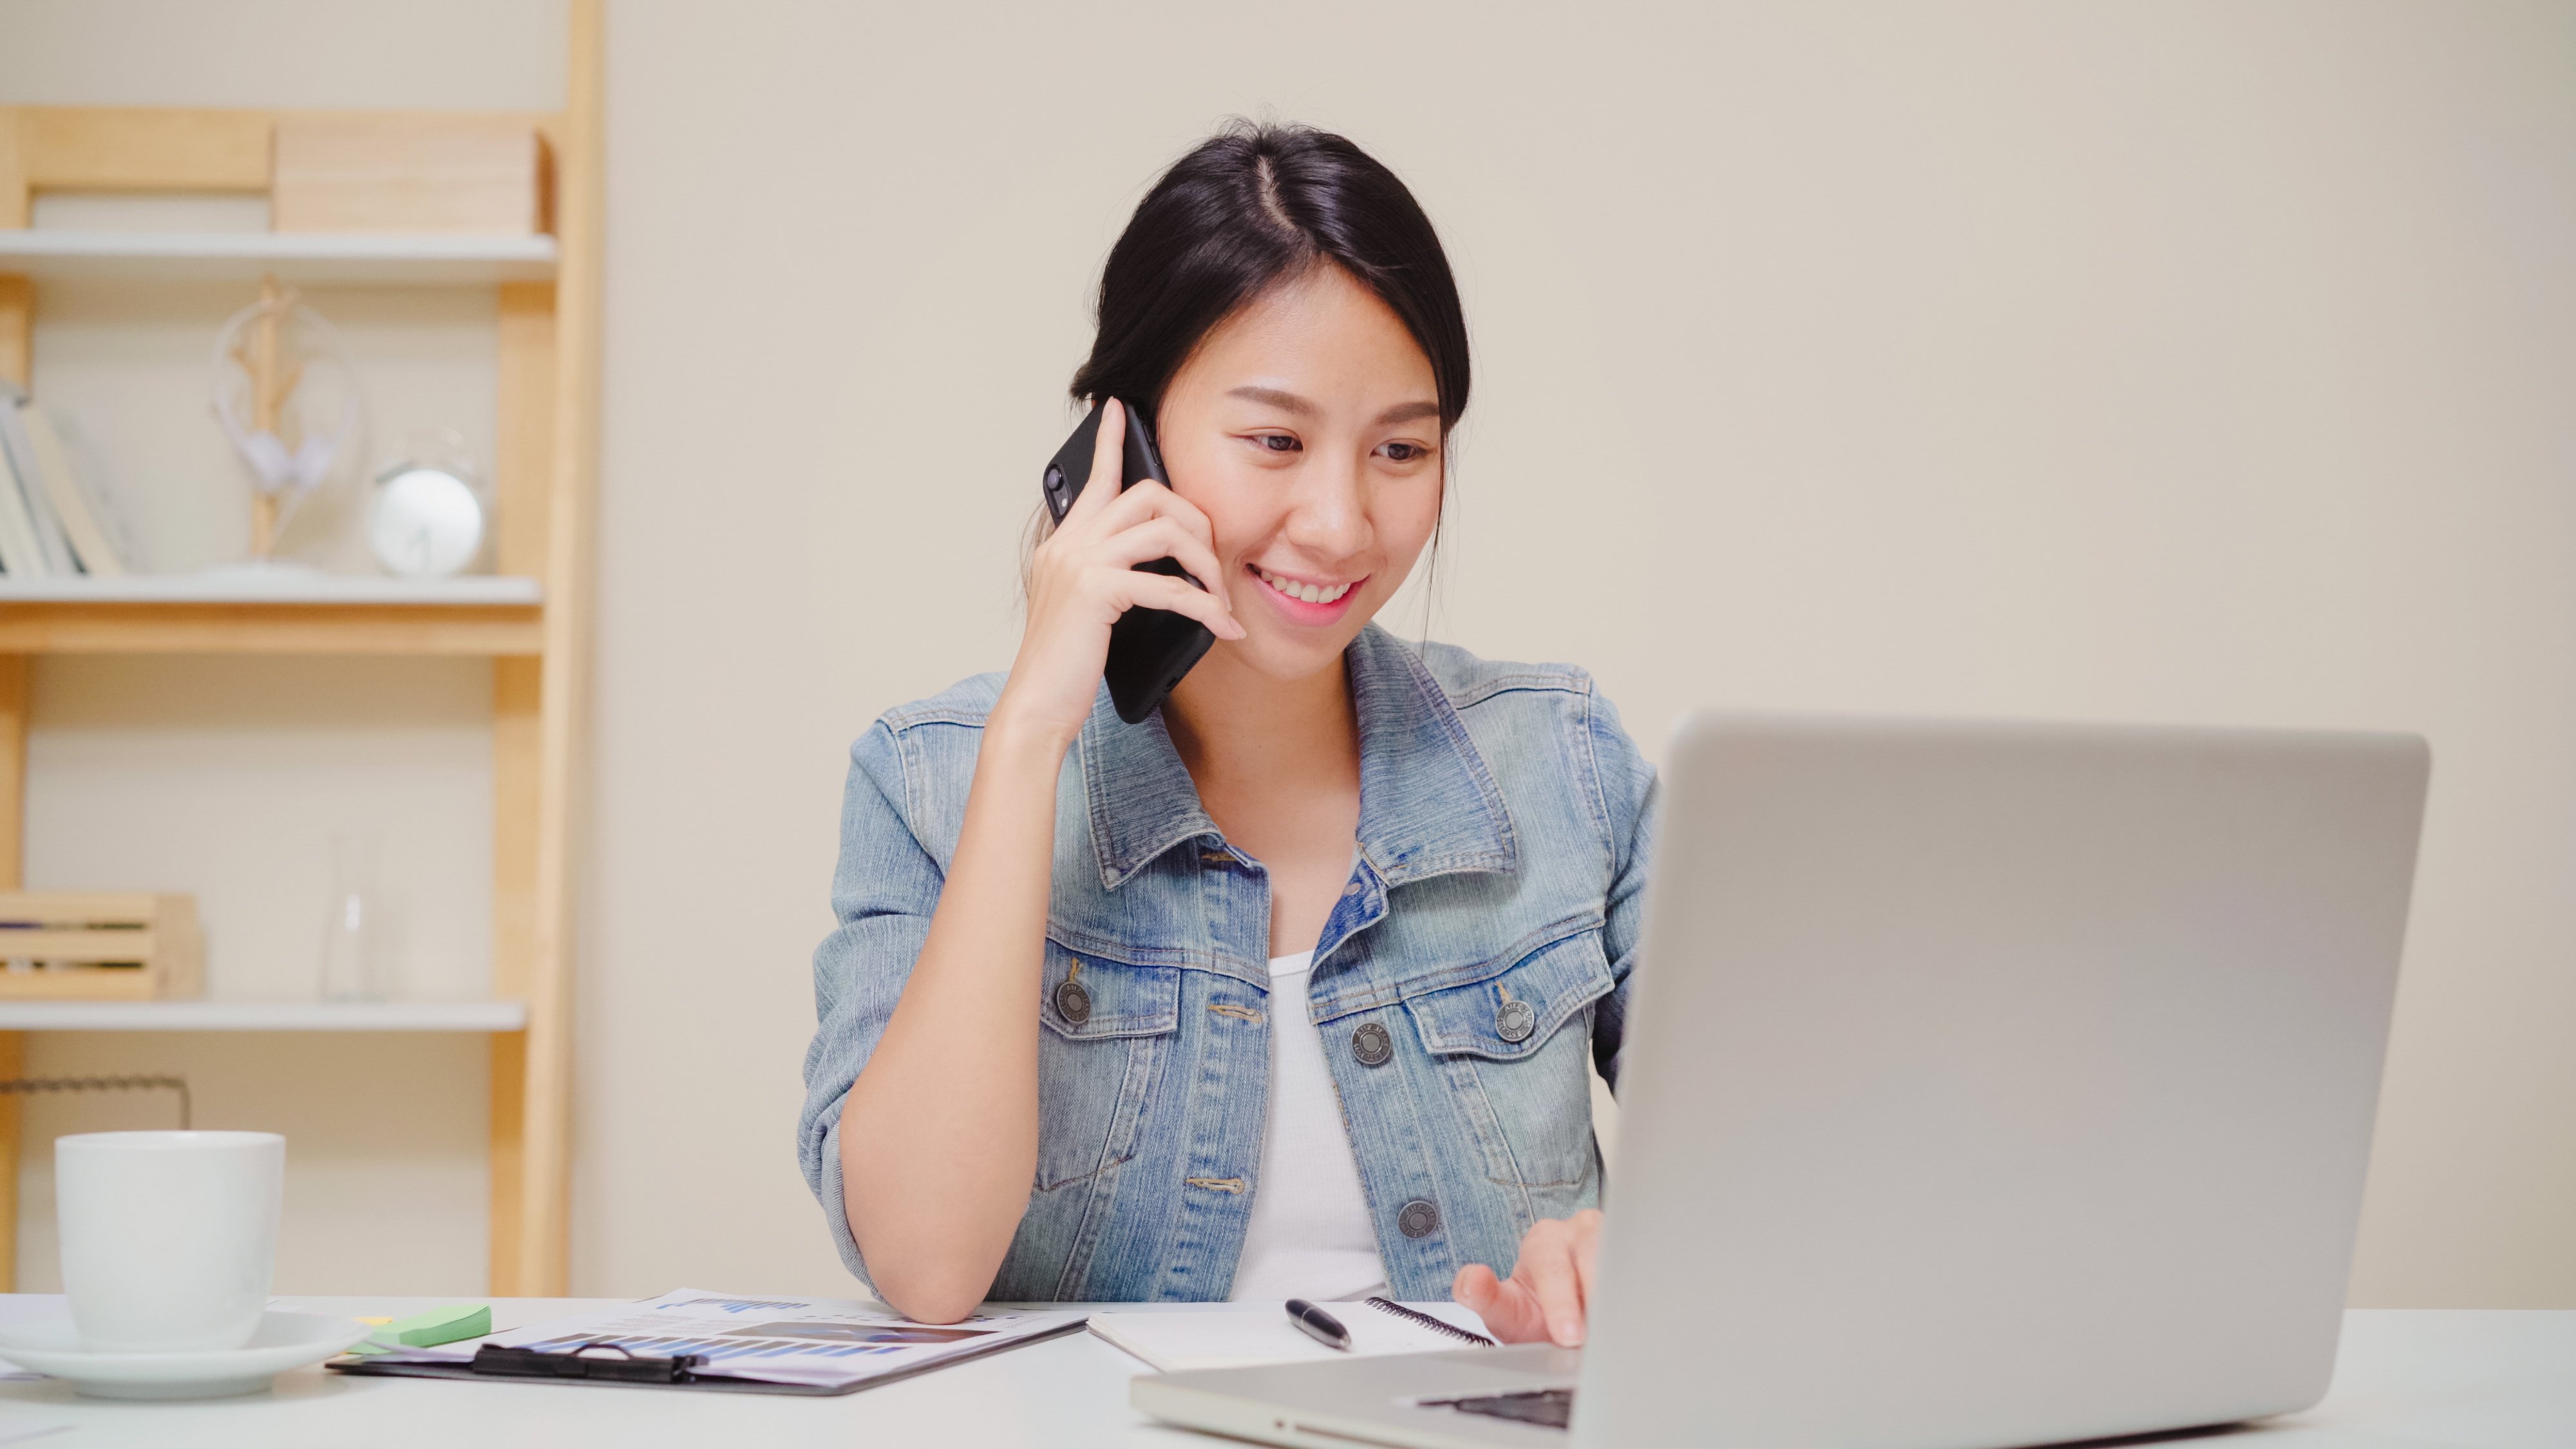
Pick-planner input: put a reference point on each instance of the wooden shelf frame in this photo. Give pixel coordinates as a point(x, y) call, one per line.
point(75, 627)
point(376, 259)
point(283, 613)
point(295, 1016)
point(545, 471)
point(283, 585)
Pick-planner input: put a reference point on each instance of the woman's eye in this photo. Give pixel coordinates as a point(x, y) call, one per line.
point(1404, 452)
point(1276, 442)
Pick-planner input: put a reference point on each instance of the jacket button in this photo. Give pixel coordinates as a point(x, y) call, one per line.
point(1372, 1045)
point(1352, 889)
point(1073, 1001)
point(1515, 1020)
point(1418, 1218)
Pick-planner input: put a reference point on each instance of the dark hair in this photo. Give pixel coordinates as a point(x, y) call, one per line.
point(1247, 208)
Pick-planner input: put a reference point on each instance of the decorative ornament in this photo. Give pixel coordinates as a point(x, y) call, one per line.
point(287, 398)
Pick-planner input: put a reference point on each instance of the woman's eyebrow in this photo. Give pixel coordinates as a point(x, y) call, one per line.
point(1289, 402)
point(1286, 402)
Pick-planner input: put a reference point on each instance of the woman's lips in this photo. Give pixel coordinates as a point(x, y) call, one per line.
point(1305, 601)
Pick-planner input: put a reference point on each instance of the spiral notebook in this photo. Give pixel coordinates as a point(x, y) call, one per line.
point(1245, 1336)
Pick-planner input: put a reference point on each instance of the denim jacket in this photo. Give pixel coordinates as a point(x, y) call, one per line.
point(1479, 955)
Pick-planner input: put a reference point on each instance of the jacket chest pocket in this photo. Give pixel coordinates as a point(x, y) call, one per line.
point(1516, 1048)
point(1107, 1027)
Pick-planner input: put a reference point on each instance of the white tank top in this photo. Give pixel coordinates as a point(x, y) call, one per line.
point(1310, 1235)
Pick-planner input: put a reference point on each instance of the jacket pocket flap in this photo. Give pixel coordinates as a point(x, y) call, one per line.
point(1087, 998)
point(1512, 1014)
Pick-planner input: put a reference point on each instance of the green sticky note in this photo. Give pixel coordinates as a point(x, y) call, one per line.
point(437, 1326)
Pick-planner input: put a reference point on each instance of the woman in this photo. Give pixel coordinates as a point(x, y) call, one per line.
point(1289, 990)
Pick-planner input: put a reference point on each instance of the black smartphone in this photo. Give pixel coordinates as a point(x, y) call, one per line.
point(1149, 649)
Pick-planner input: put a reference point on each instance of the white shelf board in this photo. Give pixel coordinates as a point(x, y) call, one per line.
point(263, 1015)
point(427, 259)
point(282, 586)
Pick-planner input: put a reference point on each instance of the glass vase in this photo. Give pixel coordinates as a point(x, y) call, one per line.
point(352, 965)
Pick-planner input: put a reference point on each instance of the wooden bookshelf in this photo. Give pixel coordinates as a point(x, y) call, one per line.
point(532, 621)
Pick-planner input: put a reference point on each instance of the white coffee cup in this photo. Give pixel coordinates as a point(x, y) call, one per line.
point(169, 1239)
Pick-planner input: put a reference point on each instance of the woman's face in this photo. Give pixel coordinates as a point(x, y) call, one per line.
point(1307, 428)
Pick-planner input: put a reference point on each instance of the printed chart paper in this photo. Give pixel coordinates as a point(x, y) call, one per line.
point(819, 1341)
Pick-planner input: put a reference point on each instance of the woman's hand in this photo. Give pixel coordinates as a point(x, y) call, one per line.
point(1084, 576)
point(1550, 1289)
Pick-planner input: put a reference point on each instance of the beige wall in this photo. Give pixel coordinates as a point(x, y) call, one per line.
point(2159, 361)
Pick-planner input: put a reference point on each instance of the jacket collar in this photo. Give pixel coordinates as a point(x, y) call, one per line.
point(1428, 804)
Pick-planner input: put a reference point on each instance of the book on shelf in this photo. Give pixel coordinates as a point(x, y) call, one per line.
point(50, 542)
point(86, 519)
point(50, 524)
point(22, 554)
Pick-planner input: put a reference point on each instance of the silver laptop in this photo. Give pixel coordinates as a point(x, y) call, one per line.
point(1987, 1085)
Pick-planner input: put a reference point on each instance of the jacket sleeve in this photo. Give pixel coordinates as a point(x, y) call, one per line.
point(883, 893)
point(1629, 799)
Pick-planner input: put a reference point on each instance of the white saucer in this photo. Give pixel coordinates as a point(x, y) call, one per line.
point(284, 1341)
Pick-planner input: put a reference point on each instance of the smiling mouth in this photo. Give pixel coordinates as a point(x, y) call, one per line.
point(1305, 593)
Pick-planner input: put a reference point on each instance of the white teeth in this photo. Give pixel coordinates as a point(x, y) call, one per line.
point(1309, 593)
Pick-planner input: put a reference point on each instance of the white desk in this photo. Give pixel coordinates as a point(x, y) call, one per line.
point(2407, 1380)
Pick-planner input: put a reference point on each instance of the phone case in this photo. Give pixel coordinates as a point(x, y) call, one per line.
point(1149, 649)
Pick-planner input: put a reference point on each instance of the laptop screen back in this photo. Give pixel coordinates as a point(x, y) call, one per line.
point(1996, 1084)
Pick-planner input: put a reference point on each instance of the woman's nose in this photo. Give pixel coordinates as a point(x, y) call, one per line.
point(1329, 517)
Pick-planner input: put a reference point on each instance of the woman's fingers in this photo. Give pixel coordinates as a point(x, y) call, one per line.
point(1547, 1265)
point(1150, 499)
point(1163, 538)
point(1475, 1286)
point(1139, 525)
point(1134, 589)
point(1549, 1294)
point(1586, 1228)
point(1108, 459)
point(1510, 1310)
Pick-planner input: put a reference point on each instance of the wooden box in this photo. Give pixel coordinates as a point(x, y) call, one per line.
point(99, 946)
point(408, 173)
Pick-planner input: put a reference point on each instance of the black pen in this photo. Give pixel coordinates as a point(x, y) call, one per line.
point(1320, 1326)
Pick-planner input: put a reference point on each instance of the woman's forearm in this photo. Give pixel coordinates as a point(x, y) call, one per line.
point(939, 1135)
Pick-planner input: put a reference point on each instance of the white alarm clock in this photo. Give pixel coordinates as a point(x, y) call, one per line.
point(428, 517)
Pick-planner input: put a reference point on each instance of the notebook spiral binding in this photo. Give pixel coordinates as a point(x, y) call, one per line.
point(1437, 1325)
